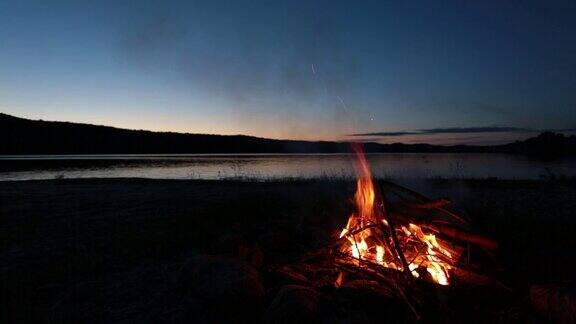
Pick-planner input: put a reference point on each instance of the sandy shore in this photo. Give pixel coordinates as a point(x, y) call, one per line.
point(109, 249)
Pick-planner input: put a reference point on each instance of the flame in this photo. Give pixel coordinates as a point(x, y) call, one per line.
point(367, 234)
point(380, 254)
point(435, 268)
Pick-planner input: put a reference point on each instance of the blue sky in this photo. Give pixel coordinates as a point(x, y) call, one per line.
point(294, 69)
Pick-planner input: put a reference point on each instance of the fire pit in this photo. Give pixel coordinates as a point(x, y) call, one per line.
point(395, 241)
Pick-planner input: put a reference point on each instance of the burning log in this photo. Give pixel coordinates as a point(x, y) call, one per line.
point(403, 192)
point(475, 239)
point(397, 246)
point(451, 231)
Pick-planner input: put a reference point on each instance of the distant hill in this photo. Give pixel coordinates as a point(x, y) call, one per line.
point(25, 136)
point(547, 144)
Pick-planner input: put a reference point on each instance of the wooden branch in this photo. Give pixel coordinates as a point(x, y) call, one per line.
point(432, 204)
point(423, 199)
point(395, 237)
point(475, 239)
point(450, 231)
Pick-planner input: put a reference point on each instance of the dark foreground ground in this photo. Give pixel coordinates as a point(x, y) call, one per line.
point(125, 250)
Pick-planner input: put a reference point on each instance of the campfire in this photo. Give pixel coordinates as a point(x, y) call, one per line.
point(396, 241)
point(373, 237)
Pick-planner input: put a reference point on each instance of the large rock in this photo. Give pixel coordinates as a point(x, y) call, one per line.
point(555, 303)
point(220, 289)
point(294, 304)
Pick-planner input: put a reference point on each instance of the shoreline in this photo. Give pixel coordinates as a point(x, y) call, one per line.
point(432, 180)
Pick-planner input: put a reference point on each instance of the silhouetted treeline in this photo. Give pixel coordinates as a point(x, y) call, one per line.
point(24, 136)
point(546, 144)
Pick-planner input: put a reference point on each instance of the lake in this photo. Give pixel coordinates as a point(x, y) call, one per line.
point(275, 166)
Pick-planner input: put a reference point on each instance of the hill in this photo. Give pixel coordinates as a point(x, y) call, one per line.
point(25, 136)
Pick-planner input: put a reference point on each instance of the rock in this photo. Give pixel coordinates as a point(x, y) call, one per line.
point(219, 289)
point(294, 304)
point(555, 303)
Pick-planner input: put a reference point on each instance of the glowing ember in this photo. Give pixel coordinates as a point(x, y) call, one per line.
point(369, 236)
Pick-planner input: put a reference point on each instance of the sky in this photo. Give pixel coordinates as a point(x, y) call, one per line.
point(441, 72)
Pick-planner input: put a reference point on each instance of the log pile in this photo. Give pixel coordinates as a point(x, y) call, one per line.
point(332, 268)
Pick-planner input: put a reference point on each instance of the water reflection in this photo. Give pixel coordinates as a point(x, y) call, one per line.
point(271, 166)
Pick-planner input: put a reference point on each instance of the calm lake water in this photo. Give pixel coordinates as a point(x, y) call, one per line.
point(273, 166)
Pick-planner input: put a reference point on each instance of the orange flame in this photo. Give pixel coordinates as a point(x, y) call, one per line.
point(365, 195)
point(366, 240)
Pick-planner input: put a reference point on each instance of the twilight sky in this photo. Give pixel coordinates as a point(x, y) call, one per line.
point(445, 72)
